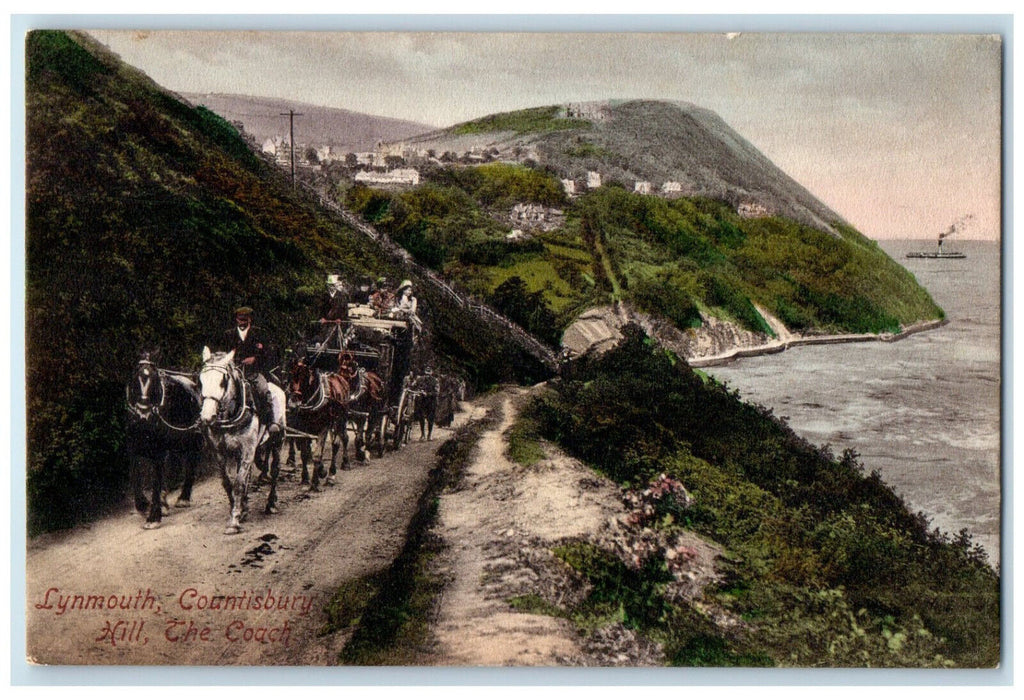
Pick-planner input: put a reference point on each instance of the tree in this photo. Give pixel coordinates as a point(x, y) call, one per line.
point(528, 310)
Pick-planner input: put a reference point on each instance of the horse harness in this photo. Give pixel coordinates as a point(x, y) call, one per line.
point(320, 397)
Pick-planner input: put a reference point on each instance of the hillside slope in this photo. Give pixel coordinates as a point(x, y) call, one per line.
point(148, 221)
point(689, 260)
point(643, 140)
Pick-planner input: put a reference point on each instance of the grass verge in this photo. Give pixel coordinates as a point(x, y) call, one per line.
point(391, 611)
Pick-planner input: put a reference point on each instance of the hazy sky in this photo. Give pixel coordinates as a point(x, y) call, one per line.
point(898, 133)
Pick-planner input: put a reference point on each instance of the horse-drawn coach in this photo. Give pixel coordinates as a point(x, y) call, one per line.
point(353, 374)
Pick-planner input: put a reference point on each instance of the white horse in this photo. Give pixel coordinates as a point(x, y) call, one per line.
point(233, 430)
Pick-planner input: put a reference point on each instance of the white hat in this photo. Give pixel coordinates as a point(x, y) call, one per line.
point(404, 284)
point(333, 279)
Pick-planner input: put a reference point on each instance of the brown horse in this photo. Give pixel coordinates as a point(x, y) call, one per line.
point(318, 406)
point(366, 404)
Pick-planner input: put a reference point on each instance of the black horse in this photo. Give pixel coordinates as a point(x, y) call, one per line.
point(425, 390)
point(162, 429)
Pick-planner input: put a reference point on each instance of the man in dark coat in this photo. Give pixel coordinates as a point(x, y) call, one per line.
point(333, 308)
point(251, 353)
point(335, 303)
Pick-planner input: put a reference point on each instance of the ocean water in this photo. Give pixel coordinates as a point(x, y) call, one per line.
point(925, 411)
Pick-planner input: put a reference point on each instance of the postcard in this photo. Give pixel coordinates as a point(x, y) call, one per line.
point(513, 349)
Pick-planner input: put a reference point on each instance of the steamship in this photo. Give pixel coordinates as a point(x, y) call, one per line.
point(938, 253)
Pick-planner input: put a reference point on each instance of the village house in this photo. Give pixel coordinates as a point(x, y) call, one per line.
point(536, 216)
point(398, 176)
point(752, 210)
point(570, 187)
point(327, 154)
point(643, 187)
point(593, 180)
point(517, 236)
point(279, 148)
point(672, 187)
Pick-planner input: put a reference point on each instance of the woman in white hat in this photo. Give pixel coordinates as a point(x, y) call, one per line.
point(406, 302)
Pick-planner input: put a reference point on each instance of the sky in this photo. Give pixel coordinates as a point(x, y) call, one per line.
point(898, 133)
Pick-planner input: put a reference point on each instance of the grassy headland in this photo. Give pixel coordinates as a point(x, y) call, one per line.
point(824, 565)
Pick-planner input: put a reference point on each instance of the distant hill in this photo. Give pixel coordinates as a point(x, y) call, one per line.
point(641, 140)
point(322, 126)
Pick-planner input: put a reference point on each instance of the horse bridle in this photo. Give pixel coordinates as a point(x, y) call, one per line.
point(231, 373)
point(136, 410)
point(319, 398)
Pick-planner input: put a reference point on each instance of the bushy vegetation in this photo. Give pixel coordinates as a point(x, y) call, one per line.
point(662, 249)
point(824, 563)
point(456, 223)
point(527, 309)
point(502, 185)
point(148, 222)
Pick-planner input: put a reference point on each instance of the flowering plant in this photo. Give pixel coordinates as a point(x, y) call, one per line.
point(636, 537)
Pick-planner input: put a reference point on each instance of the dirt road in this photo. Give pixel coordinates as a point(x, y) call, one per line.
point(114, 593)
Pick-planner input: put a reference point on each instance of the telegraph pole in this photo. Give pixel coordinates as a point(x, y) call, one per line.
point(291, 114)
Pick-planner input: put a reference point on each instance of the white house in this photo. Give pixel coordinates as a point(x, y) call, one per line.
point(277, 146)
point(672, 187)
point(569, 186)
point(593, 179)
point(326, 154)
point(536, 216)
point(643, 187)
point(753, 210)
point(398, 176)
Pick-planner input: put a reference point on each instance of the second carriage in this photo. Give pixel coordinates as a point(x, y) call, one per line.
point(384, 347)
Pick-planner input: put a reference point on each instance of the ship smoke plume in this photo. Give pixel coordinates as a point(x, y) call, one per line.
point(956, 226)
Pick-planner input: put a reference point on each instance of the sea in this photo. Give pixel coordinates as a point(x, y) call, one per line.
point(925, 412)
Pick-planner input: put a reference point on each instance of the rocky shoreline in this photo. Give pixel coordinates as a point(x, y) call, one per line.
point(716, 343)
point(782, 345)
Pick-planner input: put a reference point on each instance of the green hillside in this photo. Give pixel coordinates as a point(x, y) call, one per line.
point(148, 221)
point(671, 257)
point(627, 141)
point(822, 564)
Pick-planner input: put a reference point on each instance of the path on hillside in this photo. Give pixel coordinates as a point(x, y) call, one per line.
point(170, 578)
point(500, 525)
